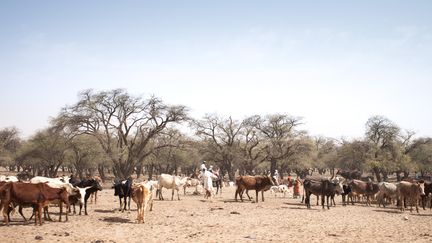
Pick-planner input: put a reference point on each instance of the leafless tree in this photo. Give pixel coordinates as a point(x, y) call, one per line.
point(222, 138)
point(124, 125)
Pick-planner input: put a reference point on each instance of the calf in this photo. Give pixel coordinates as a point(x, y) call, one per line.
point(142, 195)
point(279, 189)
point(191, 182)
point(122, 189)
point(257, 183)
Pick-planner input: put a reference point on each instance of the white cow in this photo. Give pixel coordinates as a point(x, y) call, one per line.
point(387, 191)
point(9, 178)
point(279, 189)
point(170, 182)
point(192, 182)
point(55, 183)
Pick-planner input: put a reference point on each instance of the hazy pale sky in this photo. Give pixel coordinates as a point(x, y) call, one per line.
point(334, 63)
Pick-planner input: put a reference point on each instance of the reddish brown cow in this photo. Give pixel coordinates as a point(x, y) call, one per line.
point(257, 183)
point(369, 189)
point(37, 195)
point(412, 191)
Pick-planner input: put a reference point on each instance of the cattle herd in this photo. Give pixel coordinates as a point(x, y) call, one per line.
point(41, 192)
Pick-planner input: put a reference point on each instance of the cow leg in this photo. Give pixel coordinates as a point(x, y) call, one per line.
point(178, 196)
point(85, 203)
point(262, 195)
point(247, 193)
point(318, 200)
point(125, 203)
point(322, 201)
point(20, 208)
point(328, 205)
point(172, 195)
point(129, 202)
point(5, 212)
point(256, 192)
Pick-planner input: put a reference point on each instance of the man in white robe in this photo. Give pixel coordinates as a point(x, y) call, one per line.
point(208, 183)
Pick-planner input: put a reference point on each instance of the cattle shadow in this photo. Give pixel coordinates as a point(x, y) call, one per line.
point(391, 211)
point(106, 210)
point(421, 214)
point(116, 220)
point(295, 204)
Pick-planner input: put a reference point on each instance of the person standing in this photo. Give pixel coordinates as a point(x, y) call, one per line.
point(203, 167)
point(276, 177)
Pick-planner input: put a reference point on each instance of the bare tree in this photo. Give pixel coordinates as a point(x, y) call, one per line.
point(282, 138)
point(222, 138)
point(123, 125)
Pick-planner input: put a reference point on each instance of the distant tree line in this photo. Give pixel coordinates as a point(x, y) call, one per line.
point(115, 132)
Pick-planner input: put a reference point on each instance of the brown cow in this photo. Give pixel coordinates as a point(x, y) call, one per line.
point(412, 191)
point(37, 195)
point(257, 183)
point(142, 195)
point(369, 189)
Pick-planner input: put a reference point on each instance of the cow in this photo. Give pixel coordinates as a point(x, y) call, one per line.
point(170, 182)
point(90, 186)
point(368, 189)
point(413, 191)
point(9, 178)
point(387, 191)
point(279, 189)
point(38, 195)
point(142, 195)
point(324, 187)
point(59, 182)
point(191, 182)
point(257, 183)
point(428, 192)
point(122, 189)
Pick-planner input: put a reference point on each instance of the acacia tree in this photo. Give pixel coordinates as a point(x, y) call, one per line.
point(222, 139)
point(324, 154)
point(84, 154)
point(420, 152)
point(45, 152)
point(383, 134)
point(9, 145)
point(123, 125)
point(354, 155)
point(283, 141)
point(251, 146)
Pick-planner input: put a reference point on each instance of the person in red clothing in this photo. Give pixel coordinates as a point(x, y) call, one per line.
point(296, 190)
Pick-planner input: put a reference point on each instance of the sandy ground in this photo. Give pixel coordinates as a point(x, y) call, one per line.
point(193, 219)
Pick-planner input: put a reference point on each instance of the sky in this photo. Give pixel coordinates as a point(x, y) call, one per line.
point(333, 63)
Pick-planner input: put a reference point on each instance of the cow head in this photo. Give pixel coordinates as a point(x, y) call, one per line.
point(421, 187)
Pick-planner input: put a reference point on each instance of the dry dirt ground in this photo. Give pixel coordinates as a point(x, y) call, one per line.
point(193, 219)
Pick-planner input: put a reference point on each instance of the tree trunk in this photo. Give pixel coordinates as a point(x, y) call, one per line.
point(139, 169)
point(377, 174)
point(101, 172)
point(398, 175)
point(273, 163)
